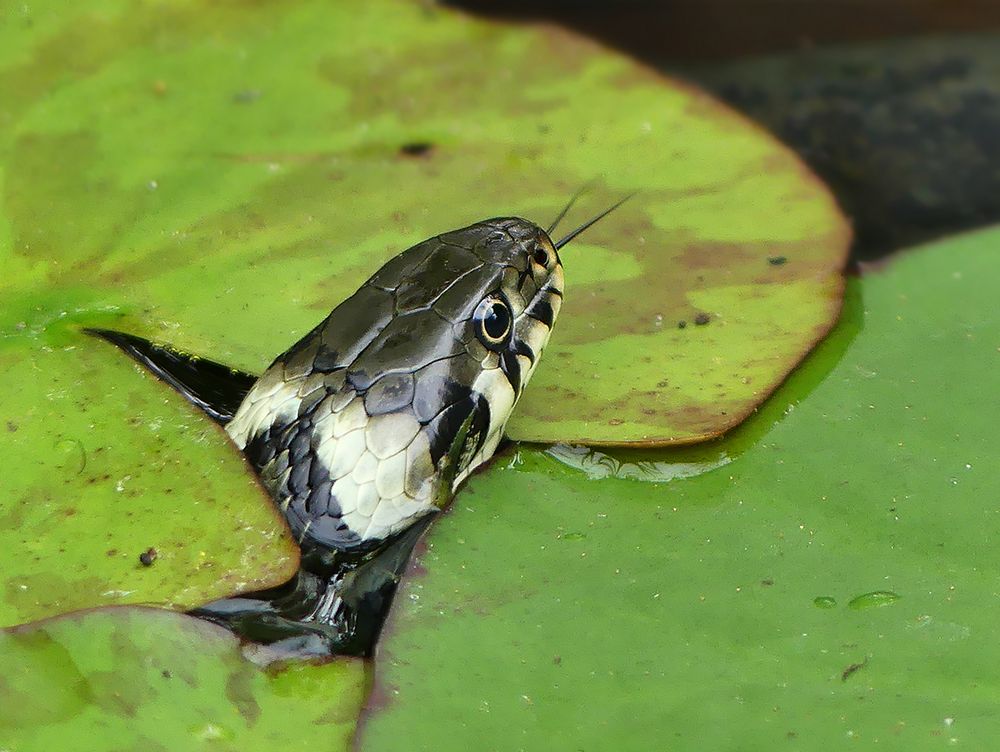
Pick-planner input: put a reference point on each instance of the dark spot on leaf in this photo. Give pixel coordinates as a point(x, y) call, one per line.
point(681, 324)
point(416, 149)
point(777, 260)
point(846, 673)
point(246, 96)
point(147, 557)
point(702, 318)
point(166, 674)
point(111, 552)
point(11, 426)
point(239, 690)
point(767, 582)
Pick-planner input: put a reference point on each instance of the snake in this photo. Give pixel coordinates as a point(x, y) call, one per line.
point(373, 419)
point(367, 425)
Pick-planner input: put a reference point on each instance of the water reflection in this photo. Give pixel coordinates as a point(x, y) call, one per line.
point(596, 465)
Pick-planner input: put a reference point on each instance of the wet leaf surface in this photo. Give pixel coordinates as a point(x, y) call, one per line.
point(101, 464)
point(145, 679)
point(222, 176)
point(832, 584)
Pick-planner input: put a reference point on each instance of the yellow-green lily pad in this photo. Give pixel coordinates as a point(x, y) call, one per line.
point(145, 679)
point(223, 176)
point(102, 464)
point(828, 581)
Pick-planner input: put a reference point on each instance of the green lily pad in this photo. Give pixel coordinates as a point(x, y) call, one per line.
point(102, 464)
point(829, 580)
point(223, 176)
point(133, 678)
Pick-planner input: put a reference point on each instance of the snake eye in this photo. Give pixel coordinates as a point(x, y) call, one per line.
point(492, 319)
point(541, 256)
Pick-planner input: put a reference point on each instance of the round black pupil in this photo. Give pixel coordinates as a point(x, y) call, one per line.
point(496, 321)
point(541, 257)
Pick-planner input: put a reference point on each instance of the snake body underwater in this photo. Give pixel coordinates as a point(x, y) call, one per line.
point(368, 424)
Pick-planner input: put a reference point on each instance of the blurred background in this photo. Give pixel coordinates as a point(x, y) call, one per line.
point(895, 103)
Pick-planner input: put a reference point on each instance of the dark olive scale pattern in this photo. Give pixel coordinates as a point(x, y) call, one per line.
point(370, 420)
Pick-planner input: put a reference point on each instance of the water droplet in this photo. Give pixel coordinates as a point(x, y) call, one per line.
point(70, 456)
point(825, 601)
point(211, 732)
point(873, 599)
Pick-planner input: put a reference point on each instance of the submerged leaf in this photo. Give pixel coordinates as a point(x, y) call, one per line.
point(846, 552)
point(144, 679)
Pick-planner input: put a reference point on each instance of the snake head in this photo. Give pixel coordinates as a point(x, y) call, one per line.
point(373, 419)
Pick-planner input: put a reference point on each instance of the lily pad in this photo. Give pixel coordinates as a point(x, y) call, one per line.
point(102, 464)
point(223, 176)
point(833, 584)
point(133, 678)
